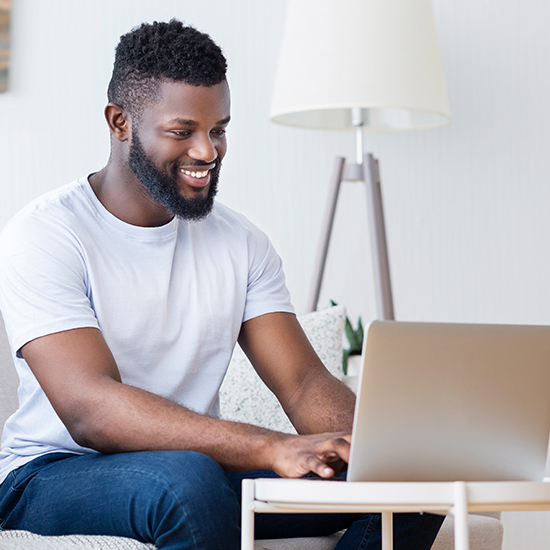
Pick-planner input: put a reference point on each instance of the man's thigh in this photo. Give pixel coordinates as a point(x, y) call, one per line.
point(153, 496)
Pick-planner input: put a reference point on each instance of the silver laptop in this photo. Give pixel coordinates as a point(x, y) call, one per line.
point(447, 402)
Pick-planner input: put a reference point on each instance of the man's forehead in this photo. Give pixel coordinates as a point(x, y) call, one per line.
point(186, 102)
point(191, 122)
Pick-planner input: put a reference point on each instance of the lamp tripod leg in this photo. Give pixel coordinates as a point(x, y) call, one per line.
point(326, 230)
point(383, 290)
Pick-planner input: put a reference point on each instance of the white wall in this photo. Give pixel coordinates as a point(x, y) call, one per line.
point(466, 205)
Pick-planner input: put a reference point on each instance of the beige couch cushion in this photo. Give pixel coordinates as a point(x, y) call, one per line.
point(8, 378)
point(485, 533)
point(23, 540)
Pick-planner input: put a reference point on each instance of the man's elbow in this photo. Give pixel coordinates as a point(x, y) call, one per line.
point(90, 426)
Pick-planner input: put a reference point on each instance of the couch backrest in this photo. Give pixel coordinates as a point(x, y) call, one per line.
point(8, 378)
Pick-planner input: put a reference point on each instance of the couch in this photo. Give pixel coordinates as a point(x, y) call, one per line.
point(243, 397)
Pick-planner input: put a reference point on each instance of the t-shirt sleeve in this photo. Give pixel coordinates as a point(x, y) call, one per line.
point(43, 281)
point(266, 290)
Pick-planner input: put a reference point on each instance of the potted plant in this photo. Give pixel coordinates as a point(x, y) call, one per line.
point(353, 352)
point(351, 360)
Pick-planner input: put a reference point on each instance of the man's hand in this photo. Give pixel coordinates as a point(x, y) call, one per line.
point(321, 454)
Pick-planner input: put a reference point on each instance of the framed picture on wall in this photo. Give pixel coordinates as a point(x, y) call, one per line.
point(5, 9)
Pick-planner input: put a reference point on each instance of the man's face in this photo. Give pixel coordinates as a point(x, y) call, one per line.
point(177, 148)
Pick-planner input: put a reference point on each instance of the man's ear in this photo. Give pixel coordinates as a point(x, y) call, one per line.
point(119, 121)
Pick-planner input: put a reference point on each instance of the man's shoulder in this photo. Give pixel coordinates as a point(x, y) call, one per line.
point(225, 212)
point(225, 215)
point(52, 213)
point(52, 205)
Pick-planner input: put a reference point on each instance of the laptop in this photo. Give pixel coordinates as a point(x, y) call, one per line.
point(448, 402)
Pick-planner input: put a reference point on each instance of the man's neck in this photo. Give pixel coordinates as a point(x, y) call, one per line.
point(121, 193)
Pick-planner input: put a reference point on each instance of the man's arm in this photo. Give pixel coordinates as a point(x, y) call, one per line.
point(80, 377)
point(314, 400)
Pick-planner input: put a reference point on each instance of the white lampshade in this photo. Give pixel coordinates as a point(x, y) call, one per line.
point(378, 55)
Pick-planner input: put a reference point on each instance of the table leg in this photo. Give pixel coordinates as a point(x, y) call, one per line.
point(460, 512)
point(387, 531)
point(247, 515)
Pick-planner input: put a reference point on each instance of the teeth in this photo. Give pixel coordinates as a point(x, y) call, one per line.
point(195, 174)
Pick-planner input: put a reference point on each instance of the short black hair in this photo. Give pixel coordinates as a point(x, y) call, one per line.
point(160, 51)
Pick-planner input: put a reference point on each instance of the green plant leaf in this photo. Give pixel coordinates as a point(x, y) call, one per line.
point(355, 337)
point(360, 332)
point(345, 361)
point(355, 340)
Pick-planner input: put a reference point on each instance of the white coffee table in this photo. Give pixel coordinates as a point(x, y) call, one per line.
point(285, 496)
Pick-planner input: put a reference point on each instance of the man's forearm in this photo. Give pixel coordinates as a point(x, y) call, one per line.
point(127, 419)
point(322, 404)
point(130, 419)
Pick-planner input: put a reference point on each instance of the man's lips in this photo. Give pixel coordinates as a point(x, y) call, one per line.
point(197, 176)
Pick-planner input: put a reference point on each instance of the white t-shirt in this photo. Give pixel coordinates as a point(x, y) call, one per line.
point(168, 300)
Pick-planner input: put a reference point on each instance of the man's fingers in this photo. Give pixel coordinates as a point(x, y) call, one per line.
point(320, 454)
point(319, 467)
point(336, 447)
point(330, 454)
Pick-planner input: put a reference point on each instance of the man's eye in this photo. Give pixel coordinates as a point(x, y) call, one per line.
point(219, 132)
point(181, 133)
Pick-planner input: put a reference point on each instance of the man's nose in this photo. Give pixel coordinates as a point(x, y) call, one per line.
point(203, 149)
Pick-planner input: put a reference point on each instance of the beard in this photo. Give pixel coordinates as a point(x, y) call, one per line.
point(163, 187)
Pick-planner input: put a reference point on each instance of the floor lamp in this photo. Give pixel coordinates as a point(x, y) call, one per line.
point(361, 65)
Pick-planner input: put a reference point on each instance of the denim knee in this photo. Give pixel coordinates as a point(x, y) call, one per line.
point(194, 479)
point(190, 498)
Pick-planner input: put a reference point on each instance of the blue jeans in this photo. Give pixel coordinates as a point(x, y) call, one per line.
point(175, 499)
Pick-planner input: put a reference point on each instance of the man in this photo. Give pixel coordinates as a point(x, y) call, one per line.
point(123, 294)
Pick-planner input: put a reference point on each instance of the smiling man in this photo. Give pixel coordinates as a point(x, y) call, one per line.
point(124, 294)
